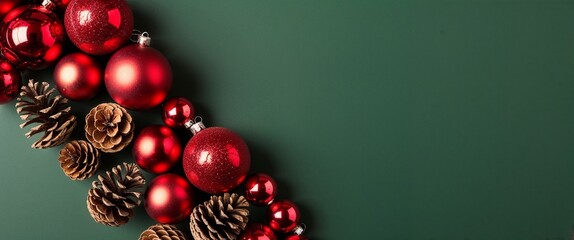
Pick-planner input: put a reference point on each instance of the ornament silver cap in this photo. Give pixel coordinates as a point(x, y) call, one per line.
point(141, 38)
point(195, 125)
point(49, 5)
point(300, 229)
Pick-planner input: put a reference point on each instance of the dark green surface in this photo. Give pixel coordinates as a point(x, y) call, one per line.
point(382, 119)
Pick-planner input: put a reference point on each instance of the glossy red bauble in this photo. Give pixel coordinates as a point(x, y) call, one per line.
point(216, 160)
point(99, 26)
point(156, 149)
point(138, 77)
point(7, 5)
point(31, 37)
point(296, 237)
point(257, 231)
point(283, 216)
point(10, 82)
point(169, 199)
point(78, 77)
point(260, 189)
point(176, 111)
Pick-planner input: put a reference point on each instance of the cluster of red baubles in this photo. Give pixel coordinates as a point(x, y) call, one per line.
point(138, 77)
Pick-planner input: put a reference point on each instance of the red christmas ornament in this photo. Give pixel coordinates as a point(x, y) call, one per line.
point(169, 199)
point(31, 37)
point(296, 237)
point(283, 216)
point(257, 231)
point(156, 149)
point(137, 76)
point(260, 189)
point(215, 160)
point(10, 82)
point(7, 5)
point(78, 77)
point(176, 111)
point(99, 26)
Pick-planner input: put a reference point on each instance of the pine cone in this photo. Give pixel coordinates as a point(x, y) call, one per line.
point(37, 105)
point(222, 217)
point(162, 232)
point(111, 199)
point(109, 127)
point(79, 160)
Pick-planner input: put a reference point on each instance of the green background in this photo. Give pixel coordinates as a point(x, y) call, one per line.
point(381, 119)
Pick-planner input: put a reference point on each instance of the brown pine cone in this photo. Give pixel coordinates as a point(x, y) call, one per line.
point(37, 105)
point(111, 199)
point(79, 160)
point(109, 127)
point(162, 232)
point(222, 217)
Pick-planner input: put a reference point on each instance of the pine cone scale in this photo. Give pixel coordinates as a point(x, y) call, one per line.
point(102, 127)
point(221, 217)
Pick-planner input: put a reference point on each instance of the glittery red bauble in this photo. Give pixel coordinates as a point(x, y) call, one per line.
point(31, 37)
point(99, 26)
point(176, 111)
point(78, 77)
point(257, 231)
point(296, 237)
point(260, 189)
point(169, 199)
point(10, 82)
point(283, 216)
point(138, 77)
point(216, 160)
point(7, 5)
point(156, 149)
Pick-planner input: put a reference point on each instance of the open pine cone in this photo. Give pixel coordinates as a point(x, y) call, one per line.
point(111, 199)
point(109, 127)
point(222, 217)
point(79, 160)
point(37, 105)
point(162, 232)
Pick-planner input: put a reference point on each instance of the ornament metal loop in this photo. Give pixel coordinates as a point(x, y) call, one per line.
point(195, 125)
point(300, 229)
point(144, 39)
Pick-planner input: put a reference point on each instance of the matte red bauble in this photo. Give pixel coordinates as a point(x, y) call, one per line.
point(257, 231)
point(99, 26)
point(283, 216)
point(10, 82)
point(157, 149)
point(138, 77)
point(216, 160)
point(7, 5)
point(78, 77)
point(260, 189)
point(296, 237)
point(31, 37)
point(169, 199)
point(176, 111)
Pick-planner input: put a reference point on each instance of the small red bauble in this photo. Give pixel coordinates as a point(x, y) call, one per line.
point(138, 77)
point(283, 216)
point(31, 37)
point(78, 77)
point(10, 82)
point(257, 231)
point(7, 5)
point(176, 111)
point(99, 26)
point(296, 237)
point(216, 160)
point(260, 189)
point(156, 149)
point(169, 199)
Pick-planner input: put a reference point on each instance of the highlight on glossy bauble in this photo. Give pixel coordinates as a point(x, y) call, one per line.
point(156, 149)
point(169, 199)
point(78, 77)
point(10, 82)
point(7, 5)
point(99, 27)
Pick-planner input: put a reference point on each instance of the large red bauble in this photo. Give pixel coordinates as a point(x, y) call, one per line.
point(78, 77)
point(260, 189)
point(99, 26)
point(157, 149)
point(216, 160)
point(10, 82)
point(283, 216)
point(31, 37)
point(169, 199)
point(7, 5)
point(257, 231)
point(138, 77)
point(176, 111)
